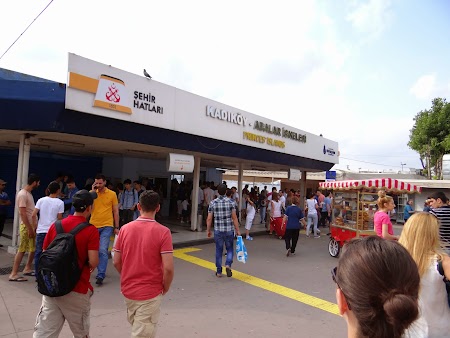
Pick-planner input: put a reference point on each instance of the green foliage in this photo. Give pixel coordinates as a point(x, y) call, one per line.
point(430, 135)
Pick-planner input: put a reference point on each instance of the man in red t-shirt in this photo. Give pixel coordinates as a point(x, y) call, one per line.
point(75, 306)
point(143, 255)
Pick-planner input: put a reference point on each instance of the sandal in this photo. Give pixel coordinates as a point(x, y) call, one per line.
point(218, 275)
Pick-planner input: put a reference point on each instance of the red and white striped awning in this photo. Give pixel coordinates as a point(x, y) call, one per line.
point(388, 184)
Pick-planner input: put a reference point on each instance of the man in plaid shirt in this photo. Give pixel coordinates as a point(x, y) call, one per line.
point(224, 212)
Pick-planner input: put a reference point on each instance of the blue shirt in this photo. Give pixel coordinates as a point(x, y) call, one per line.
point(129, 198)
point(222, 208)
point(70, 194)
point(406, 212)
point(326, 201)
point(294, 214)
point(4, 208)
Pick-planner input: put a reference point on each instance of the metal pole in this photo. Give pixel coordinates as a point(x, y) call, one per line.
point(239, 187)
point(303, 188)
point(18, 187)
point(195, 190)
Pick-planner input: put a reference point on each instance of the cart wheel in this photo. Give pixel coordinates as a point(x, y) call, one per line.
point(334, 248)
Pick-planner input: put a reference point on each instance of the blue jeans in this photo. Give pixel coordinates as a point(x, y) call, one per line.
point(262, 212)
point(312, 218)
point(105, 237)
point(221, 237)
point(39, 243)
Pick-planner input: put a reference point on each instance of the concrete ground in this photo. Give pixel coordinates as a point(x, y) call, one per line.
point(271, 295)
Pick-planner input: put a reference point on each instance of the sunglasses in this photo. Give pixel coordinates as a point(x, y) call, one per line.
point(334, 277)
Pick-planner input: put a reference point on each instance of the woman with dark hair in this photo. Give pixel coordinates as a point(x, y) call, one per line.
point(378, 290)
point(276, 216)
point(292, 218)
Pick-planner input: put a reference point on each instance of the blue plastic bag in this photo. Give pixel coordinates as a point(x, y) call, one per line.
point(241, 250)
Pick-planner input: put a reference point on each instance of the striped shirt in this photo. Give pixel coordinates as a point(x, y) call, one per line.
point(222, 208)
point(443, 215)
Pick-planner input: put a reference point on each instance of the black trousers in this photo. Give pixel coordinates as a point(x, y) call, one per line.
point(323, 218)
point(291, 234)
point(126, 216)
point(2, 222)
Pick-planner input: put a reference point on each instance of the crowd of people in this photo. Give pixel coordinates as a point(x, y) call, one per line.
point(393, 286)
point(386, 285)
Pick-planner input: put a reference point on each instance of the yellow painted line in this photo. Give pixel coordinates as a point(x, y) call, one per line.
point(261, 283)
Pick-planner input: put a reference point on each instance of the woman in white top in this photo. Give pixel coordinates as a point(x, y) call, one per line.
point(275, 211)
point(420, 236)
point(312, 216)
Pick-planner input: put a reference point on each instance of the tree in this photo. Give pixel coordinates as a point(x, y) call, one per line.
point(430, 136)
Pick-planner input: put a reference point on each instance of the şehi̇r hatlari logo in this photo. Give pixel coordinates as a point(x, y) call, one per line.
point(110, 92)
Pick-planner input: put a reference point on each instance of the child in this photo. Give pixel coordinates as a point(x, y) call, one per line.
point(250, 216)
point(184, 211)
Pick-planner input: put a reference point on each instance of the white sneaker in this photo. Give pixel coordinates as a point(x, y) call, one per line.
point(317, 236)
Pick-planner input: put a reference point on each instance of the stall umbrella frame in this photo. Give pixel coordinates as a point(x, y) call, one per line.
point(348, 223)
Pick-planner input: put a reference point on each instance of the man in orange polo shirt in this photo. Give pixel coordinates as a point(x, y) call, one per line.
point(105, 217)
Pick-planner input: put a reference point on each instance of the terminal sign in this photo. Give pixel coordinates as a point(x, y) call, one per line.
point(180, 163)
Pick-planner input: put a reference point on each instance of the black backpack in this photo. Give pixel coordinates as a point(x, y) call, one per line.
point(58, 269)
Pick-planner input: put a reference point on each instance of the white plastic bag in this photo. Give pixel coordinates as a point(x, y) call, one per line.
point(241, 250)
point(114, 244)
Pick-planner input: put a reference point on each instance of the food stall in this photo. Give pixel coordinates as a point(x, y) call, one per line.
point(354, 206)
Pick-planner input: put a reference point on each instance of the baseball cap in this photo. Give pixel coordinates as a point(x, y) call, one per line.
point(83, 198)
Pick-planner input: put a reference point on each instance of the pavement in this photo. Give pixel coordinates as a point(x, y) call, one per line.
point(271, 295)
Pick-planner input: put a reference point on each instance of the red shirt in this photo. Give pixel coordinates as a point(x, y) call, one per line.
point(86, 239)
point(141, 244)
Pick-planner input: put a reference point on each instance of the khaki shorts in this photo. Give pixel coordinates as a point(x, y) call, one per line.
point(143, 315)
point(27, 244)
point(74, 307)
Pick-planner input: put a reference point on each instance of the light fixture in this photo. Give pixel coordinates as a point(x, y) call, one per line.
point(17, 144)
point(141, 152)
point(61, 142)
point(101, 152)
point(258, 168)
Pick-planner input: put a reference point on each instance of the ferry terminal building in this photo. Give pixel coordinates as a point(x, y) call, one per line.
point(127, 126)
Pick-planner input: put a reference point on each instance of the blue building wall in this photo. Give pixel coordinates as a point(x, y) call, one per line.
point(46, 165)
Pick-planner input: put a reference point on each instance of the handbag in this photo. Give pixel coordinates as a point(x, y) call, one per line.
point(440, 268)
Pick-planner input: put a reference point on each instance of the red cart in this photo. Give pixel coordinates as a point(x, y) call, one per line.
point(354, 205)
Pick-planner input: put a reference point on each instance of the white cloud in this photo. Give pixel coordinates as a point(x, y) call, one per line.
point(427, 87)
point(424, 87)
point(371, 17)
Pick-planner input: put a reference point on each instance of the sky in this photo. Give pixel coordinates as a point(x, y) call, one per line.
point(355, 71)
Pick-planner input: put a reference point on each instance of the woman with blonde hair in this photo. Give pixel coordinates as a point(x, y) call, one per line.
point(420, 236)
point(381, 220)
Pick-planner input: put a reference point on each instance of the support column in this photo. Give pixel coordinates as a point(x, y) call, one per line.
point(23, 162)
point(239, 187)
point(302, 188)
point(195, 190)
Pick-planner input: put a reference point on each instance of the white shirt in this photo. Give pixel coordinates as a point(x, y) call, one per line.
point(283, 200)
point(433, 302)
point(276, 208)
point(209, 195)
point(311, 204)
point(49, 208)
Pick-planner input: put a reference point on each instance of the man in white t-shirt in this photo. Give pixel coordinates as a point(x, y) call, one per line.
point(50, 209)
